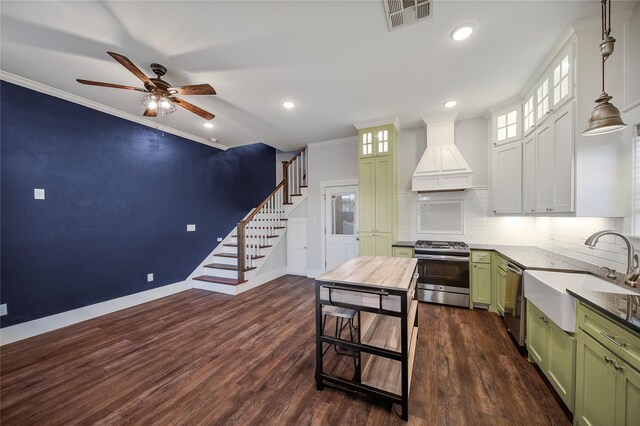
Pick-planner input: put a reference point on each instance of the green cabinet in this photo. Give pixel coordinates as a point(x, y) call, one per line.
point(607, 372)
point(403, 252)
point(501, 286)
point(481, 283)
point(378, 181)
point(554, 350)
point(481, 277)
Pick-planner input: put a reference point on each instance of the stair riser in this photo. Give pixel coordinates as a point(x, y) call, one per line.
point(224, 260)
point(224, 273)
point(231, 250)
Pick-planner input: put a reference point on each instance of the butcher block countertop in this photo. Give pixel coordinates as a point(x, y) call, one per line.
point(374, 271)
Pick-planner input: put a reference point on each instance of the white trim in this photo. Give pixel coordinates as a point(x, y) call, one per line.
point(64, 319)
point(338, 141)
point(378, 122)
point(324, 184)
point(52, 91)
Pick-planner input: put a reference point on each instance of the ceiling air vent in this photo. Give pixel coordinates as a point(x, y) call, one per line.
point(402, 12)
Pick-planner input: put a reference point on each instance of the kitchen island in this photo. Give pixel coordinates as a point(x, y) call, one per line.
point(380, 291)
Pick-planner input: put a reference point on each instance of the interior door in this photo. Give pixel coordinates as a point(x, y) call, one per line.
point(297, 246)
point(341, 227)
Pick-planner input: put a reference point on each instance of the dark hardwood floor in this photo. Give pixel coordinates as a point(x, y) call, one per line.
point(204, 358)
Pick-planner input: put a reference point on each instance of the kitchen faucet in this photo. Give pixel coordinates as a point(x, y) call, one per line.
point(633, 268)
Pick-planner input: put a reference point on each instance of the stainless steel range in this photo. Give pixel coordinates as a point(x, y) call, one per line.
point(443, 268)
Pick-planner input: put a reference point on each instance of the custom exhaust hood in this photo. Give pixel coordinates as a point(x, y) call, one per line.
point(442, 166)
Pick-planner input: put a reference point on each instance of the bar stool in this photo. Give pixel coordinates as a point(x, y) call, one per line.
point(340, 314)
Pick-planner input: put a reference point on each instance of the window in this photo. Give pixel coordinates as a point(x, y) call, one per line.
point(367, 143)
point(561, 80)
point(343, 209)
point(543, 98)
point(635, 202)
point(383, 141)
point(529, 118)
point(507, 126)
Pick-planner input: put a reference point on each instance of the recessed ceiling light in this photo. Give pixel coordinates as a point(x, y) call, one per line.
point(450, 104)
point(288, 104)
point(463, 31)
point(208, 124)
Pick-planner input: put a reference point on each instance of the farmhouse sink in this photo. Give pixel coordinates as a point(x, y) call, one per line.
point(548, 291)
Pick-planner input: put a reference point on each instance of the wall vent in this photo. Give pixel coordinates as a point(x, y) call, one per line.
point(403, 12)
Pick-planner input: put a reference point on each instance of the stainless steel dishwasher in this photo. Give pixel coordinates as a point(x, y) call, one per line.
point(515, 305)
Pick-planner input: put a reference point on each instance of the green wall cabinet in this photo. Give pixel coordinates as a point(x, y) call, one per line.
point(378, 180)
point(554, 350)
point(607, 375)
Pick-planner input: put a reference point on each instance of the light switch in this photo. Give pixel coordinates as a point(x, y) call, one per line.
point(191, 228)
point(3, 309)
point(219, 239)
point(149, 278)
point(38, 193)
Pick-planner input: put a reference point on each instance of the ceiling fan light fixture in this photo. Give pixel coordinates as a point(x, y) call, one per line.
point(152, 104)
point(164, 103)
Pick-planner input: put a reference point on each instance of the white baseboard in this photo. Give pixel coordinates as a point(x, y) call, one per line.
point(261, 279)
point(313, 273)
point(54, 322)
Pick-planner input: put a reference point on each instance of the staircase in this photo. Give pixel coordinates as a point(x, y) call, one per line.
point(253, 252)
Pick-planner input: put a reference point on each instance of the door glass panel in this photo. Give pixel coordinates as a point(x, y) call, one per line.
point(383, 141)
point(561, 80)
point(506, 125)
point(543, 98)
point(528, 114)
point(343, 208)
point(367, 144)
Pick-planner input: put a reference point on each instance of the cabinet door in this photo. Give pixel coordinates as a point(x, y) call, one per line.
point(501, 280)
point(563, 136)
point(562, 79)
point(366, 143)
point(528, 114)
point(561, 353)
point(536, 335)
point(595, 383)
point(481, 283)
point(506, 125)
point(529, 173)
point(383, 194)
point(367, 193)
point(507, 197)
point(627, 395)
point(543, 108)
point(545, 165)
point(382, 136)
point(367, 244)
point(384, 244)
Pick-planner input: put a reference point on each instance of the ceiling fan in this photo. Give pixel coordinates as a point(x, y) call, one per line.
point(162, 96)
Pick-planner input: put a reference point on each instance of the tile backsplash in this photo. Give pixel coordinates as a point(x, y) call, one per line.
point(562, 235)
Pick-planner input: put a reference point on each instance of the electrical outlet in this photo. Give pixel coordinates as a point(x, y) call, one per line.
point(219, 239)
point(38, 193)
point(149, 278)
point(191, 228)
point(3, 309)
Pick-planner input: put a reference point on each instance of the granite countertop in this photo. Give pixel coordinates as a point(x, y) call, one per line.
point(622, 308)
point(405, 244)
point(529, 257)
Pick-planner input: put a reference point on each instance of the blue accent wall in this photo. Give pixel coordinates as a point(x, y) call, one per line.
point(119, 196)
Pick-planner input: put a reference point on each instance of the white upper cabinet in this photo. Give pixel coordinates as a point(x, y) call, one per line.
point(542, 100)
point(562, 78)
point(529, 191)
point(506, 125)
point(507, 194)
point(529, 114)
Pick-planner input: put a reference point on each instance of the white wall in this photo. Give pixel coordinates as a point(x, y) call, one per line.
point(327, 160)
point(471, 138)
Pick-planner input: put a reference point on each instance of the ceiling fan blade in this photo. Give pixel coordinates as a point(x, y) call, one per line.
point(115, 86)
point(194, 109)
point(151, 112)
point(195, 89)
point(125, 62)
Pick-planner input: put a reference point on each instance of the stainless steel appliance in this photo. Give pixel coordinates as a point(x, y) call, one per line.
point(515, 305)
point(443, 269)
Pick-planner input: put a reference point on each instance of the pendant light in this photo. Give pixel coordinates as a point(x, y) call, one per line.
point(605, 117)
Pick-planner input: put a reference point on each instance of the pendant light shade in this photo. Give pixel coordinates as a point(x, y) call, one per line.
point(605, 117)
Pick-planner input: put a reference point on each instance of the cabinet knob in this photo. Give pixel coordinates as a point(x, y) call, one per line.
point(475, 266)
point(495, 211)
point(616, 366)
point(495, 144)
point(607, 359)
point(533, 210)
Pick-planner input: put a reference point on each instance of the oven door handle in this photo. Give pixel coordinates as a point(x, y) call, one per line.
point(441, 257)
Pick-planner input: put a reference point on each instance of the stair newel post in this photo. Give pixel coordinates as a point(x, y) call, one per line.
point(285, 176)
point(241, 248)
point(306, 166)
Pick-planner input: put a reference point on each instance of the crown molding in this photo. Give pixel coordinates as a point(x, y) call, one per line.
point(52, 91)
point(378, 122)
point(338, 141)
